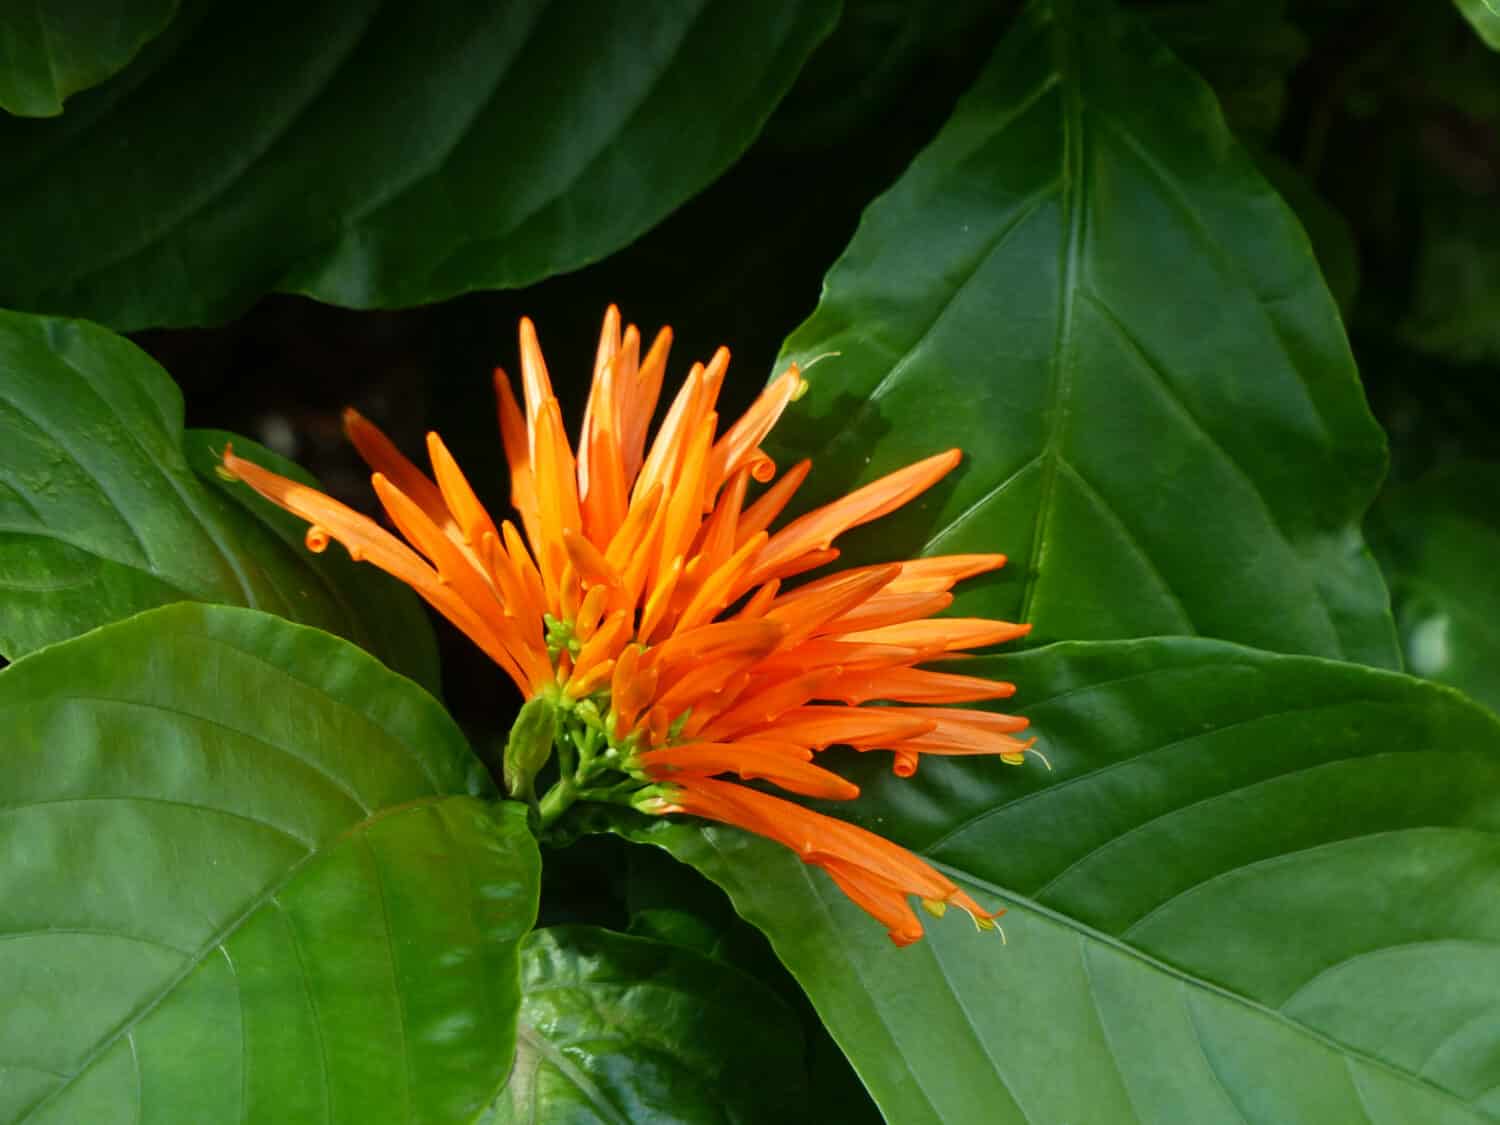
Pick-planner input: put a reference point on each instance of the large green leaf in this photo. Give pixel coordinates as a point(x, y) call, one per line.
point(102, 516)
point(1439, 540)
point(618, 1029)
point(245, 876)
point(1484, 17)
point(52, 48)
point(1256, 888)
point(1085, 284)
point(393, 154)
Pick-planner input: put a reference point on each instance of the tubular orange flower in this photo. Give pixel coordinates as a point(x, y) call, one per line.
point(647, 607)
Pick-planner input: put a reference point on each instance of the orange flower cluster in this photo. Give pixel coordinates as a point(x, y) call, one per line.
point(647, 599)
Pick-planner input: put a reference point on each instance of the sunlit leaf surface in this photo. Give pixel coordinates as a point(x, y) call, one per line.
point(248, 874)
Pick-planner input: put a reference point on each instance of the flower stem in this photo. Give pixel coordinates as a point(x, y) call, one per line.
point(557, 800)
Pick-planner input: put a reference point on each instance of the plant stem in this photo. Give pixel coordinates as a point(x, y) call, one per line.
point(557, 800)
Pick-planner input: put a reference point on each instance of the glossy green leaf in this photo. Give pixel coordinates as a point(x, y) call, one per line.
point(670, 902)
point(102, 515)
point(1484, 17)
point(1255, 888)
point(1439, 541)
point(392, 154)
point(1085, 284)
point(52, 48)
point(618, 1029)
point(246, 875)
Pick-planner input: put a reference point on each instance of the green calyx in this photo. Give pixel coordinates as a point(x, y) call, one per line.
point(592, 764)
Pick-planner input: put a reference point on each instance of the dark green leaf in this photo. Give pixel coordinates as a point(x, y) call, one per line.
point(1255, 888)
point(1244, 49)
point(53, 48)
point(618, 1029)
point(1439, 541)
point(245, 875)
point(670, 902)
point(1484, 16)
point(1455, 291)
point(1086, 285)
point(1329, 232)
point(391, 154)
point(880, 56)
point(101, 514)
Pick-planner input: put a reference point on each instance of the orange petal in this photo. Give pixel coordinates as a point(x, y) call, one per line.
point(860, 727)
point(761, 600)
point(458, 497)
point(381, 454)
point(661, 598)
point(942, 572)
point(717, 538)
point(534, 379)
point(881, 900)
point(768, 704)
point(368, 541)
point(722, 638)
point(823, 840)
point(806, 611)
point(737, 447)
point(952, 633)
point(761, 514)
point(590, 612)
point(516, 436)
point(638, 403)
point(914, 685)
point(592, 566)
point(660, 466)
point(819, 528)
point(824, 653)
point(601, 472)
point(714, 594)
point(887, 608)
point(698, 681)
point(632, 687)
point(749, 761)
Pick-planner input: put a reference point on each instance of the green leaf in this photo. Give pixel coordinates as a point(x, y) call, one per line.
point(393, 154)
point(1454, 310)
point(102, 515)
point(1327, 229)
point(1085, 284)
point(618, 1029)
point(1484, 17)
point(1255, 888)
point(245, 875)
point(1245, 49)
point(1439, 541)
point(52, 48)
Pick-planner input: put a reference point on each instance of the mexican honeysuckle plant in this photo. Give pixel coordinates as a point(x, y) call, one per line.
point(1048, 676)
